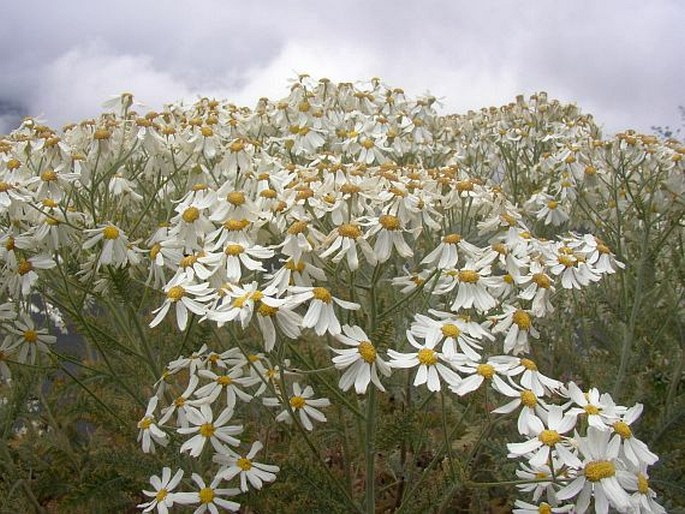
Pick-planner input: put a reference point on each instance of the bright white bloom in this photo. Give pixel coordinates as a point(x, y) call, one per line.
point(149, 432)
point(256, 473)
point(547, 437)
point(162, 496)
point(432, 365)
point(207, 428)
point(518, 325)
point(601, 411)
point(632, 448)
point(209, 496)
point(320, 315)
point(302, 404)
point(230, 382)
point(344, 240)
point(361, 360)
point(178, 293)
point(521, 507)
point(598, 479)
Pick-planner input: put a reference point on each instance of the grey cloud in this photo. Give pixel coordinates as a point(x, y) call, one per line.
point(620, 60)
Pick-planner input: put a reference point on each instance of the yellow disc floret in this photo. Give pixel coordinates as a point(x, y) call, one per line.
point(350, 230)
point(486, 370)
point(427, 357)
point(522, 319)
point(549, 437)
point(323, 294)
point(175, 293)
point(297, 402)
point(450, 330)
point(367, 351)
point(110, 232)
point(599, 469)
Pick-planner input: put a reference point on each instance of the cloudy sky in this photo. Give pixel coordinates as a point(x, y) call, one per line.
point(620, 60)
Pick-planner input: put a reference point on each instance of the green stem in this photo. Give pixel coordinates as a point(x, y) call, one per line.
point(370, 452)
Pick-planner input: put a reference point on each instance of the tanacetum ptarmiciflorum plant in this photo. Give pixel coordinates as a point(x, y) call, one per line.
point(338, 301)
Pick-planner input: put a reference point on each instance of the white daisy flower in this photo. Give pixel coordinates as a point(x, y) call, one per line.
point(320, 315)
point(598, 479)
point(228, 382)
point(518, 325)
point(344, 240)
point(149, 432)
point(361, 360)
point(162, 496)
point(432, 365)
point(178, 293)
point(206, 428)
point(632, 448)
point(546, 437)
point(302, 404)
point(256, 473)
point(209, 496)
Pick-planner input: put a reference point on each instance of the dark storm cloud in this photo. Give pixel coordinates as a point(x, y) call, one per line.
point(621, 60)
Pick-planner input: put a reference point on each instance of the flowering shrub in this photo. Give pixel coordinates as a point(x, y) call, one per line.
point(282, 274)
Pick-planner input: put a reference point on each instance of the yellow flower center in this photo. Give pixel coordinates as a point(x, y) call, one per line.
point(176, 293)
point(623, 430)
point(427, 357)
point(486, 370)
point(350, 189)
point(224, 380)
point(549, 437)
point(544, 508)
point(389, 222)
point(154, 251)
point(244, 464)
point(266, 310)
point(542, 280)
point(469, 276)
point(191, 214)
point(188, 261)
point(4, 187)
point(552, 204)
point(297, 227)
point(48, 176)
point(349, 230)
point(206, 495)
point(161, 494)
point(236, 198)
point(323, 294)
point(528, 398)
point(13, 164)
point(590, 171)
point(451, 239)
point(522, 319)
point(145, 423)
point(297, 402)
point(529, 365)
point(30, 336)
point(367, 351)
point(101, 134)
point(207, 430)
point(500, 248)
point(24, 267)
point(234, 225)
point(599, 469)
point(566, 260)
point(236, 146)
point(368, 144)
point(592, 410)
point(110, 232)
point(297, 266)
point(268, 193)
point(234, 249)
point(450, 330)
point(180, 401)
point(642, 484)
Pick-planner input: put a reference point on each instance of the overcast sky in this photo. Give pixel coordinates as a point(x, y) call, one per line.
point(620, 60)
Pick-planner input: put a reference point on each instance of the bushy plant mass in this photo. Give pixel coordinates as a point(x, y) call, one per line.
point(341, 301)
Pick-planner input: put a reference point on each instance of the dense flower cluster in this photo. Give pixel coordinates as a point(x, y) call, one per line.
point(308, 217)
